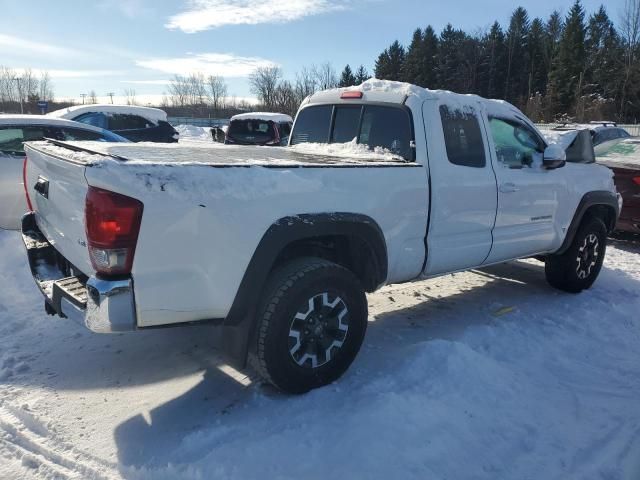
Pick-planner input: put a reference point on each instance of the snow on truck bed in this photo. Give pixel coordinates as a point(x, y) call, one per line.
point(222, 155)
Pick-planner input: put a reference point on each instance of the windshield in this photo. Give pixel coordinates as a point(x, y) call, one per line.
point(251, 131)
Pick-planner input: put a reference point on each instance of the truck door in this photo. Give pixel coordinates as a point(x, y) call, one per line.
point(528, 195)
point(13, 203)
point(463, 187)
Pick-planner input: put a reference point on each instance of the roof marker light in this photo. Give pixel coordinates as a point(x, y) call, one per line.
point(351, 94)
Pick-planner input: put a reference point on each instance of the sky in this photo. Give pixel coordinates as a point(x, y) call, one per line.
point(113, 45)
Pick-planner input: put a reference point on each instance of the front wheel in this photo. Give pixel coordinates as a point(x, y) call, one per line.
point(577, 268)
point(310, 326)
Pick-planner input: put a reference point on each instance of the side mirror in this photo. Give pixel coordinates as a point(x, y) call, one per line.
point(554, 157)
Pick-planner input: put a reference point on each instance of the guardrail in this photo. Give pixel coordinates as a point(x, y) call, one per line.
point(198, 122)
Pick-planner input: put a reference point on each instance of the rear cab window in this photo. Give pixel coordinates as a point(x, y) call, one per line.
point(388, 127)
point(463, 137)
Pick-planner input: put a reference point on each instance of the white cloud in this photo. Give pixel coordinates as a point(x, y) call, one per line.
point(71, 73)
point(224, 64)
point(44, 48)
point(208, 14)
point(147, 82)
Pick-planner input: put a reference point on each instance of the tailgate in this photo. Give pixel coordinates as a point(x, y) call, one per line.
point(57, 188)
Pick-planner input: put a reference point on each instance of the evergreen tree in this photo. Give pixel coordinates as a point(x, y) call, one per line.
point(429, 74)
point(347, 79)
point(567, 67)
point(603, 50)
point(450, 61)
point(413, 64)
point(538, 73)
point(361, 75)
point(517, 77)
point(389, 63)
point(493, 65)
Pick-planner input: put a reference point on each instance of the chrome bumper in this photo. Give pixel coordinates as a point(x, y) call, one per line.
point(104, 306)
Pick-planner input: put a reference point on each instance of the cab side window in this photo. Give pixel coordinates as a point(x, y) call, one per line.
point(462, 137)
point(516, 144)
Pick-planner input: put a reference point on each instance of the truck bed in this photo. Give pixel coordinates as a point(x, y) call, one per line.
point(218, 155)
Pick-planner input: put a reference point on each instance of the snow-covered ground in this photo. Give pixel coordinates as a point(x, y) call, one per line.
point(489, 374)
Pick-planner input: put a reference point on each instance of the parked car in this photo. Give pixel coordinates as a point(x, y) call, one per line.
point(604, 135)
point(138, 124)
point(259, 128)
point(279, 247)
point(16, 129)
point(624, 160)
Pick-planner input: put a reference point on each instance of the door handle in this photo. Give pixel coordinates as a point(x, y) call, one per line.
point(508, 188)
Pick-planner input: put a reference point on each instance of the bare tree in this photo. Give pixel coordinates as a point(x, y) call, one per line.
point(93, 98)
point(46, 87)
point(264, 82)
point(217, 91)
point(325, 76)
point(285, 98)
point(178, 91)
point(305, 84)
point(130, 96)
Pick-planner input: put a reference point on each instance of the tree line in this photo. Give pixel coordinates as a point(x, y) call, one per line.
point(21, 90)
point(575, 68)
point(278, 94)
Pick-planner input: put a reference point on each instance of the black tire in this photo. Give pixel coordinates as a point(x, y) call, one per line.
point(577, 268)
point(306, 307)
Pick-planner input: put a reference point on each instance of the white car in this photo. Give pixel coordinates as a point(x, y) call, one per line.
point(383, 183)
point(14, 131)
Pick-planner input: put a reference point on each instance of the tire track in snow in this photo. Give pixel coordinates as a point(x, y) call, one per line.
point(29, 441)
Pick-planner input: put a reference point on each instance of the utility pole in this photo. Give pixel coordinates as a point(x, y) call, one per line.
point(83, 95)
point(17, 79)
point(111, 94)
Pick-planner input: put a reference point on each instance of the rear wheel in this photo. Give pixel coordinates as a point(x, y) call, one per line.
point(577, 268)
point(310, 326)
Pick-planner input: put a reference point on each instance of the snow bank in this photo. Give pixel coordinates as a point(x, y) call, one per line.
point(193, 133)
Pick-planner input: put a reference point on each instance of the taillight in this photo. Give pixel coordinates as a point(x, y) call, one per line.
point(24, 182)
point(636, 180)
point(112, 224)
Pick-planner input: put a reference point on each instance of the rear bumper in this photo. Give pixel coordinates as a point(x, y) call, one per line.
point(104, 306)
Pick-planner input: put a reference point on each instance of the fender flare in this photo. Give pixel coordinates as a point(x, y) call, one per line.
point(238, 325)
point(590, 199)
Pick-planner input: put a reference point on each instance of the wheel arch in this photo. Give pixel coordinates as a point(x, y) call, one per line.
point(352, 240)
point(600, 204)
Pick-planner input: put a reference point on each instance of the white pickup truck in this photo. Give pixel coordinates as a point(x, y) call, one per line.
point(280, 245)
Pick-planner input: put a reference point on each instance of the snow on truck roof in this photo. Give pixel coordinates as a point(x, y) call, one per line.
point(398, 92)
point(266, 116)
point(151, 114)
